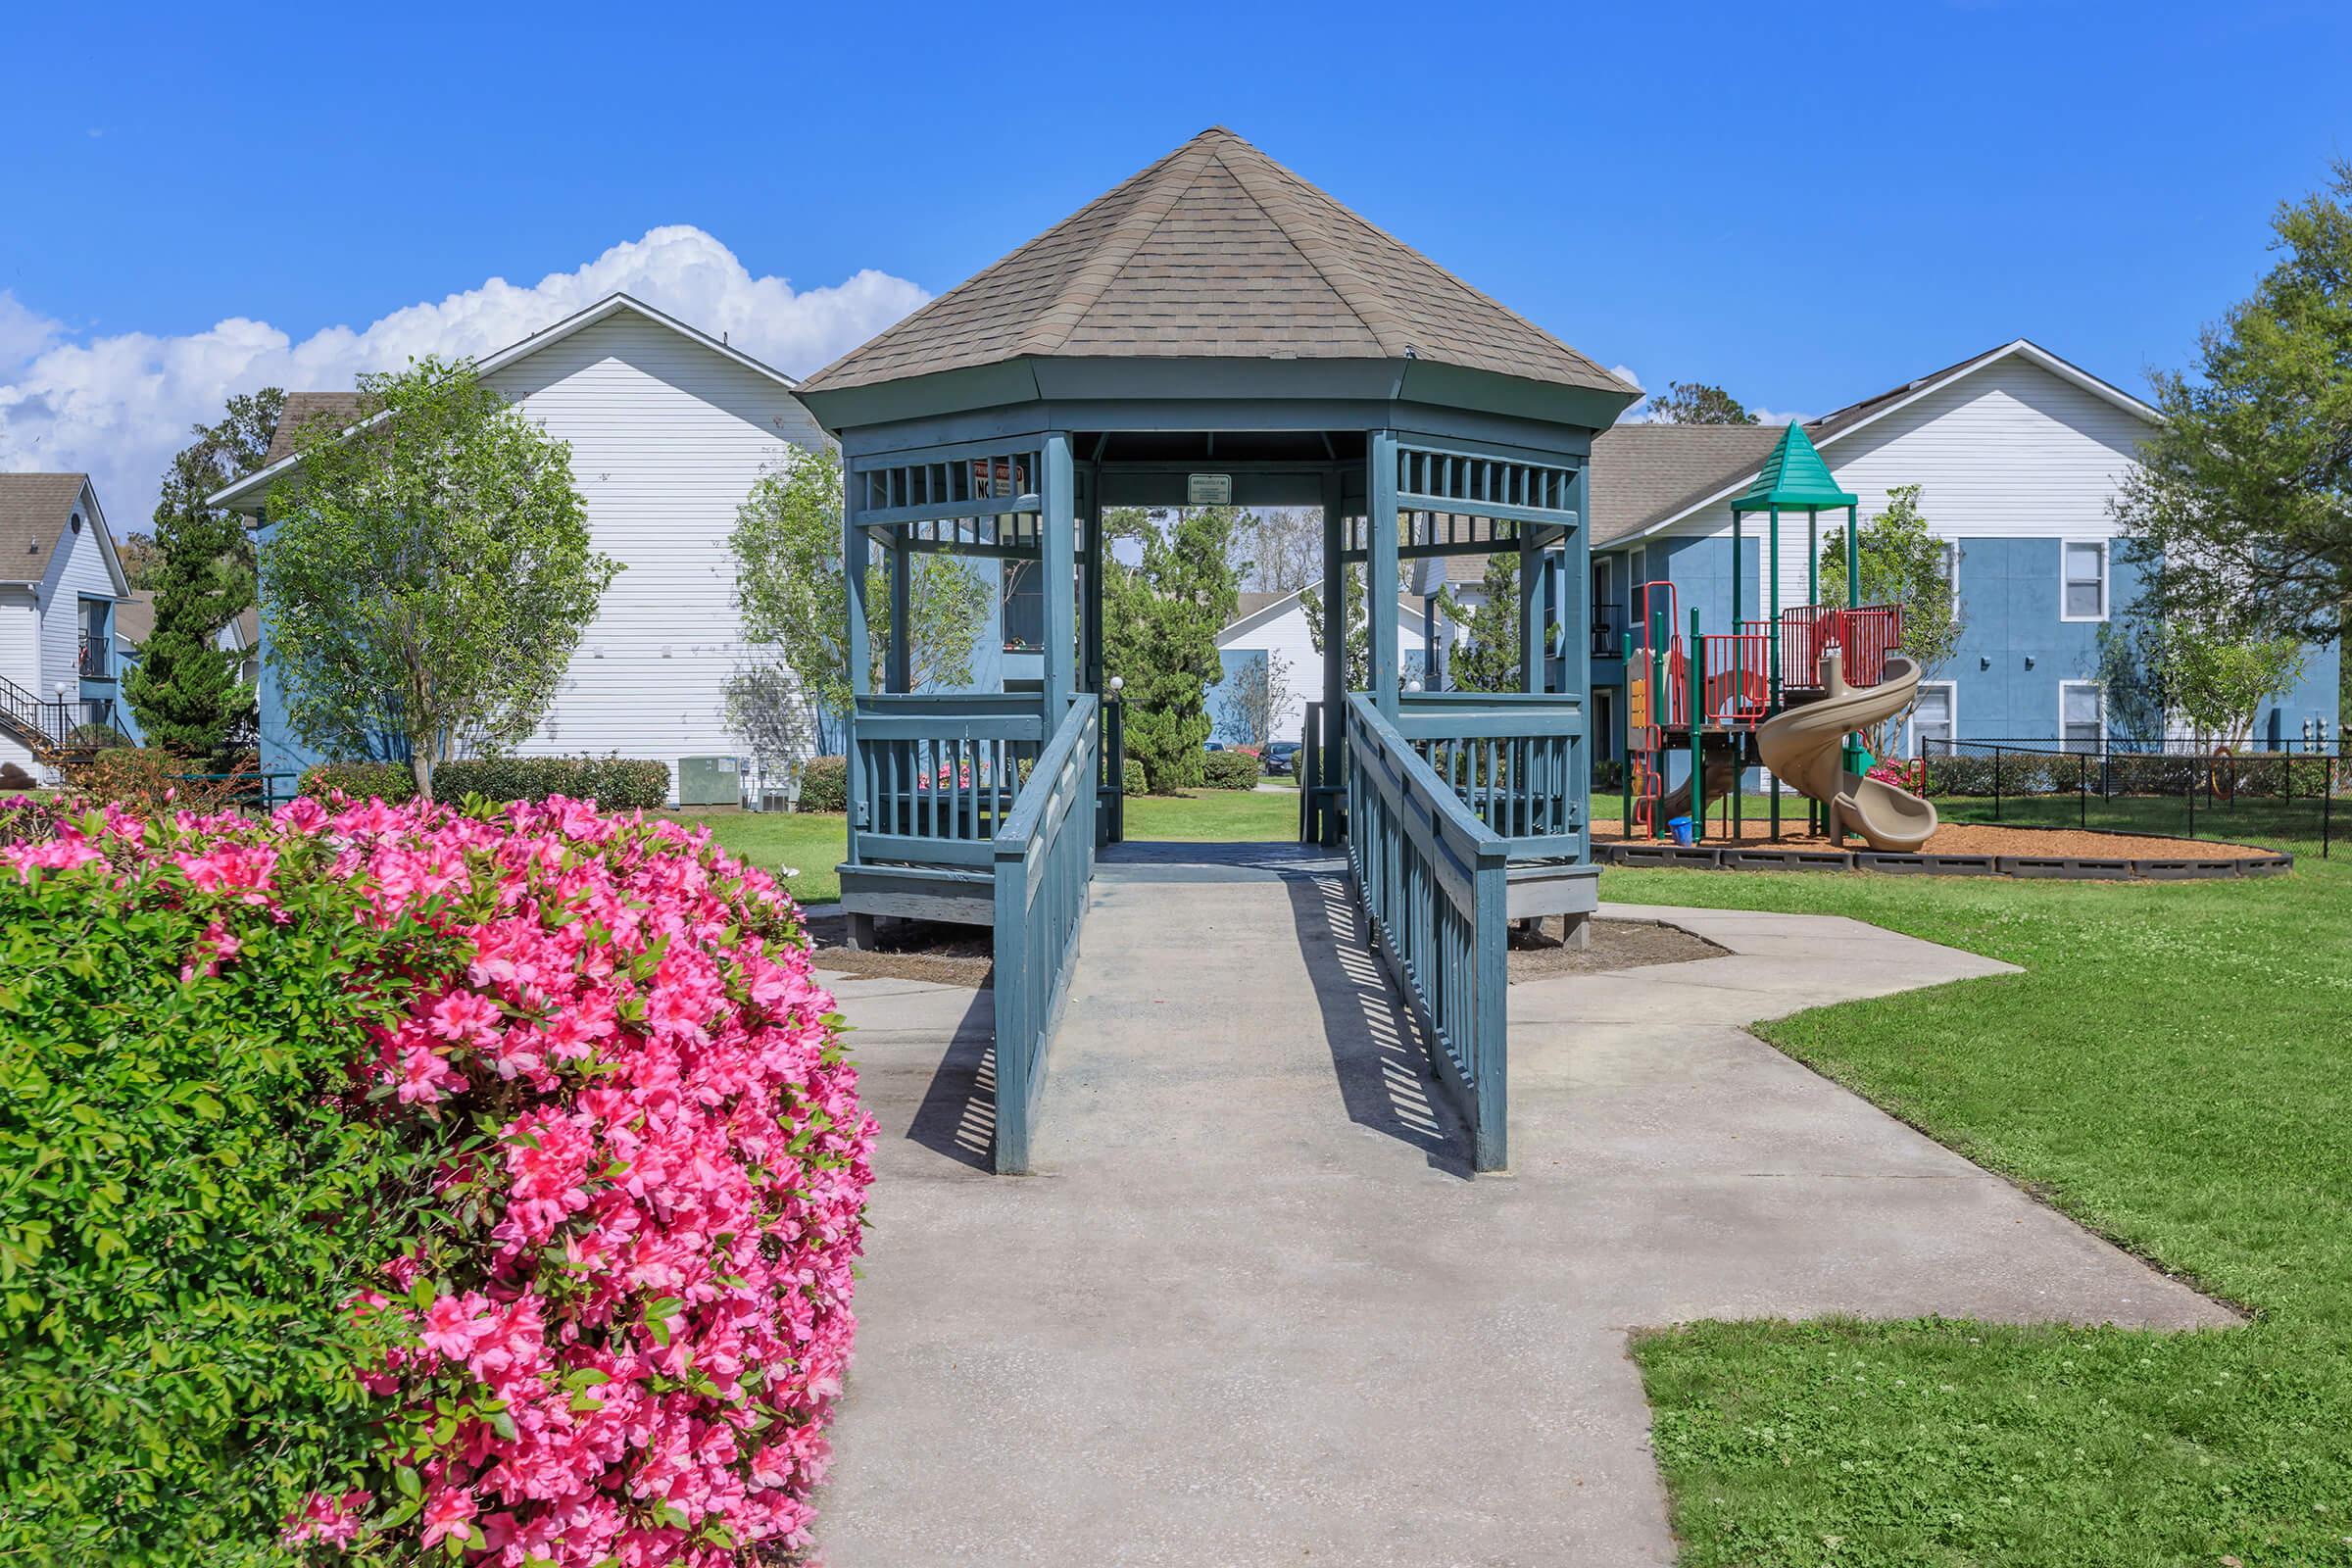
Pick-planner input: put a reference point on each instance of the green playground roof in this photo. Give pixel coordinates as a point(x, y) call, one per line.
point(1793, 476)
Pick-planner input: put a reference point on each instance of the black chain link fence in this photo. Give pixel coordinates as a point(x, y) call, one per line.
point(2284, 799)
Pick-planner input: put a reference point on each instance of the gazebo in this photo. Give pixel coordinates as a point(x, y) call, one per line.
point(1216, 329)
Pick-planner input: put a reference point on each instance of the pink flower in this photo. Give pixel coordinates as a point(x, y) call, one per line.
point(448, 1512)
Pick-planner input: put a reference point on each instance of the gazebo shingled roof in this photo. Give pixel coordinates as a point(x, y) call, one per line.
point(1215, 252)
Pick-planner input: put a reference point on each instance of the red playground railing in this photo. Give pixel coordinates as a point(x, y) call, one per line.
point(1864, 637)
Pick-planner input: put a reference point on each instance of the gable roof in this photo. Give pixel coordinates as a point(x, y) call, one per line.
point(305, 408)
point(36, 510)
point(347, 406)
point(1215, 251)
point(1705, 489)
point(1256, 610)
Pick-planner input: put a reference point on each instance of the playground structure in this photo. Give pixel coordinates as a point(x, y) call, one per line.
point(1787, 692)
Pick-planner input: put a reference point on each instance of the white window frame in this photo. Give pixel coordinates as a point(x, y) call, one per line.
point(1951, 701)
point(2066, 685)
point(2106, 570)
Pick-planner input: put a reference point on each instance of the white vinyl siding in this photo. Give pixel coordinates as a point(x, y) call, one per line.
point(1280, 628)
point(76, 571)
point(2082, 715)
point(2011, 450)
point(2083, 581)
point(20, 657)
point(1935, 722)
point(667, 437)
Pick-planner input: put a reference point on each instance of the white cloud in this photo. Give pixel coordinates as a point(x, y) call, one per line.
point(117, 407)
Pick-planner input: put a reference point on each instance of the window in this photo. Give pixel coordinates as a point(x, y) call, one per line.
point(96, 628)
point(2083, 593)
point(1607, 623)
point(1934, 722)
point(2082, 715)
point(1605, 713)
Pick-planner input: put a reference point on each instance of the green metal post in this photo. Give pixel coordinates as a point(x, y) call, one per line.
point(1773, 620)
point(1694, 706)
point(1853, 564)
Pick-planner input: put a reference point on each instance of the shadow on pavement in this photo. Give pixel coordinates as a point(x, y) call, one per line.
point(1386, 1079)
point(958, 1117)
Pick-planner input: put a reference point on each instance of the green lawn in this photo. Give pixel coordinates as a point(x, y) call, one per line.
point(2172, 1070)
point(813, 842)
point(810, 842)
point(1209, 814)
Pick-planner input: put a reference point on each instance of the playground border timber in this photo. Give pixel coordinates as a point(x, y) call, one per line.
point(2053, 867)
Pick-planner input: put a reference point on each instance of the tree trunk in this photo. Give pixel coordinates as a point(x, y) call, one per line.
point(420, 763)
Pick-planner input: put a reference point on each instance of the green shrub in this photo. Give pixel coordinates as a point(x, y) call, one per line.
point(825, 784)
point(1131, 779)
point(390, 782)
point(1230, 771)
point(144, 776)
point(616, 783)
point(185, 1191)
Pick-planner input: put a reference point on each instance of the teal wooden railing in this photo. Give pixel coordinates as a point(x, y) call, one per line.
point(1432, 877)
point(1044, 854)
point(933, 779)
point(1515, 759)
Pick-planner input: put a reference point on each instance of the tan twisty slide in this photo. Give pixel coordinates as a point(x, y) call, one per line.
point(1802, 745)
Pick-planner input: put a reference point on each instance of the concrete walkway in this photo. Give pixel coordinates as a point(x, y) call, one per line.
point(1253, 1311)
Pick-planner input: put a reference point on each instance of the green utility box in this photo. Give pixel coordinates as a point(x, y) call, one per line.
point(710, 781)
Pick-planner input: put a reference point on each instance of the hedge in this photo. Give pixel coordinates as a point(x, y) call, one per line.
point(1132, 780)
point(175, 1375)
point(825, 784)
point(616, 783)
point(415, 1183)
point(1230, 771)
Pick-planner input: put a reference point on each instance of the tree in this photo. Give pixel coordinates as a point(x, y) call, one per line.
point(2210, 680)
point(1282, 549)
point(1698, 402)
point(792, 592)
point(141, 558)
point(432, 572)
point(184, 689)
point(2240, 510)
point(1160, 620)
point(1902, 563)
point(1357, 655)
point(1259, 691)
point(769, 707)
point(1487, 658)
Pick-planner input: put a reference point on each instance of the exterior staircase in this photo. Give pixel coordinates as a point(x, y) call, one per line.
point(55, 732)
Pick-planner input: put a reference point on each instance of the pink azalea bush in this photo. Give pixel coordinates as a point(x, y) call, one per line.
point(620, 1339)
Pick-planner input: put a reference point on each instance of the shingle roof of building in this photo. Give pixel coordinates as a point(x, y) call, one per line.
point(1643, 473)
point(34, 510)
point(134, 618)
point(1215, 251)
point(308, 407)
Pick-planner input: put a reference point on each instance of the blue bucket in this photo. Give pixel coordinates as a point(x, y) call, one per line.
point(1679, 827)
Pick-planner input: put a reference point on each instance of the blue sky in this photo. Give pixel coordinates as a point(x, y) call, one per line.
point(1805, 203)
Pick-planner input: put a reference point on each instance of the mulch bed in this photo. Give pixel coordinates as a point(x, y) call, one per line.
point(1981, 838)
point(907, 949)
point(1616, 944)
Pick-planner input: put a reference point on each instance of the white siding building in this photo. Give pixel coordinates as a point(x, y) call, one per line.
point(59, 584)
point(668, 429)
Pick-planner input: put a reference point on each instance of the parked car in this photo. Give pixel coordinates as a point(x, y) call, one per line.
point(1282, 758)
